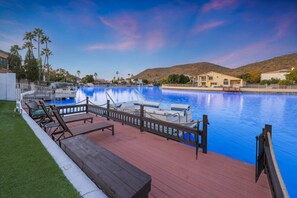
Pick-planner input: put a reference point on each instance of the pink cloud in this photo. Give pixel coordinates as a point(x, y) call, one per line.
point(243, 55)
point(124, 24)
point(208, 26)
point(218, 5)
point(284, 23)
point(126, 45)
point(155, 39)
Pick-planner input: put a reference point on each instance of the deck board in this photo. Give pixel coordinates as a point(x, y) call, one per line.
point(174, 170)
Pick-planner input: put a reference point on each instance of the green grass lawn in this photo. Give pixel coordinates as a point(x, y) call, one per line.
point(26, 168)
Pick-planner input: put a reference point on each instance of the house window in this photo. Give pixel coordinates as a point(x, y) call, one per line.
point(226, 82)
point(210, 78)
point(203, 78)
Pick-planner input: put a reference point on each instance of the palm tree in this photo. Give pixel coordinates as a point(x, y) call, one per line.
point(29, 36)
point(95, 75)
point(117, 73)
point(47, 53)
point(44, 40)
point(39, 34)
point(15, 50)
point(29, 46)
point(78, 73)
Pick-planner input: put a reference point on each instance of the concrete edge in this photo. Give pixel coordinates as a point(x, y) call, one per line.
point(80, 181)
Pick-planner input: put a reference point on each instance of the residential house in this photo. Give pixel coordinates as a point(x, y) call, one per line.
point(3, 59)
point(212, 79)
point(279, 74)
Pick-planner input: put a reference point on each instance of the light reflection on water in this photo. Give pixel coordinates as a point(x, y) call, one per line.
point(235, 120)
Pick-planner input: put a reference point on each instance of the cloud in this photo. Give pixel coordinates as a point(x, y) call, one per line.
point(125, 24)
point(149, 29)
point(155, 39)
point(242, 55)
point(218, 5)
point(8, 22)
point(284, 24)
point(126, 45)
point(208, 26)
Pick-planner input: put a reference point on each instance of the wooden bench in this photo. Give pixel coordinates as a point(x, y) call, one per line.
point(115, 176)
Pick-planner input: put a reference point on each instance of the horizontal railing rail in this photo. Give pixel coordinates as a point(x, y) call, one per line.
point(265, 160)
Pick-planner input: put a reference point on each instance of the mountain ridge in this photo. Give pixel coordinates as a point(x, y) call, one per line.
point(193, 69)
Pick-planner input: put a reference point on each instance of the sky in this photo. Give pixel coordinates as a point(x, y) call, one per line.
point(131, 36)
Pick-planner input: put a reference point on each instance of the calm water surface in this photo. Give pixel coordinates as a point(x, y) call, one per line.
point(235, 120)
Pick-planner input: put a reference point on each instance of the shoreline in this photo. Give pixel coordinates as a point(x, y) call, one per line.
point(242, 90)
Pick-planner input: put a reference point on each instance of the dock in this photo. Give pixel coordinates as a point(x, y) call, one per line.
point(231, 89)
point(175, 171)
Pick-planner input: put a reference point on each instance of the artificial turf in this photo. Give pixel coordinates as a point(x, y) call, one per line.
point(26, 168)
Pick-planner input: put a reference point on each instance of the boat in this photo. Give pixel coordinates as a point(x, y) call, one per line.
point(62, 90)
point(178, 113)
point(65, 92)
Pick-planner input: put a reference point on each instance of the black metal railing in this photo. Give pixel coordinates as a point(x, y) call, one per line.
point(265, 160)
point(192, 136)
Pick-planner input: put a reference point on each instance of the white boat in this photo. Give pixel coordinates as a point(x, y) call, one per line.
point(178, 113)
point(63, 90)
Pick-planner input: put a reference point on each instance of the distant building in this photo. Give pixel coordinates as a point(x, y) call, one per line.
point(3, 59)
point(212, 79)
point(279, 74)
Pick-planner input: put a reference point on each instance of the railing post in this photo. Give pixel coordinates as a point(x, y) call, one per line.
point(268, 128)
point(141, 118)
point(87, 102)
point(107, 109)
point(204, 134)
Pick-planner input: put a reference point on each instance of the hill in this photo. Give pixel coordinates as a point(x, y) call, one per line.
point(193, 69)
point(277, 63)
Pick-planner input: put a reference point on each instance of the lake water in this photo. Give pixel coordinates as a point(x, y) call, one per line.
point(235, 120)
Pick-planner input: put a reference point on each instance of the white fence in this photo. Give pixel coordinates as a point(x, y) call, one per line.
point(8, 86)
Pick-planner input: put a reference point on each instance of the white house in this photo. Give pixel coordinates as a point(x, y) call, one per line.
point(279, 74)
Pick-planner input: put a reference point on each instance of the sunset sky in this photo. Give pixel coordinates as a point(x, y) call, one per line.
point(131, 36)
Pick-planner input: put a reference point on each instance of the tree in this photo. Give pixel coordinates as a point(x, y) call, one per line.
point(45, 40)
point(78, 73)
point(95, 75)
point(183, 79)
point(292, 76)
point(39, 34)
point(47, 53)
point(88, 79)
point(30, 63)
point(145, 81)
point(32, 69)
point(15, 62)
point(285, 82)
point(163, 81)
point(29, 46)
point(117, 73)
point(253, 76)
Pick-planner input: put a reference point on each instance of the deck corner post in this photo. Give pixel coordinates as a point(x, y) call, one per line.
point(268, 128)
point(141, 118)
point(204, 134)
point(107, 109)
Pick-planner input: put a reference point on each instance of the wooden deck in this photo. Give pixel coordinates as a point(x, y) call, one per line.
point(174, 170)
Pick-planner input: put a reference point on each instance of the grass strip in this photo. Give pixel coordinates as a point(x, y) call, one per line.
point(26, 168)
